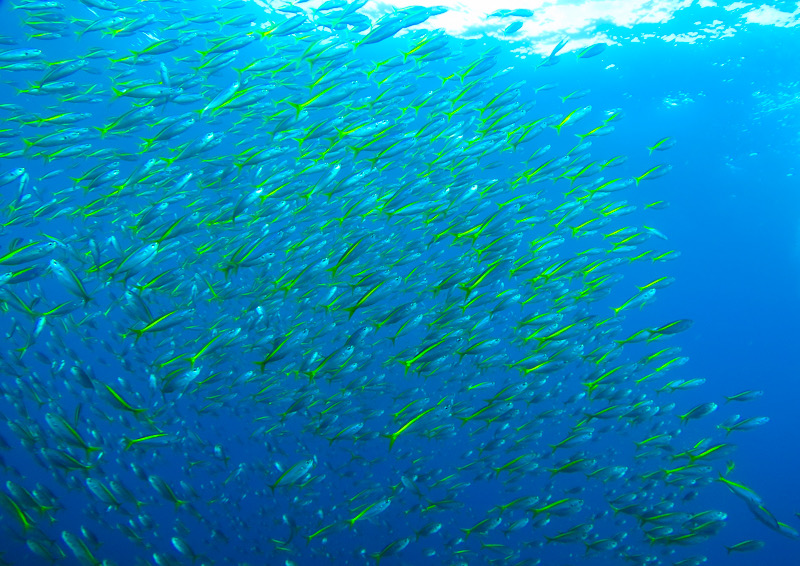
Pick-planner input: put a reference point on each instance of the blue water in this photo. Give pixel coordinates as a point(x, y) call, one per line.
point(733, 105)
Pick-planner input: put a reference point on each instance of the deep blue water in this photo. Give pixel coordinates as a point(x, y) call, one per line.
point(732, 105)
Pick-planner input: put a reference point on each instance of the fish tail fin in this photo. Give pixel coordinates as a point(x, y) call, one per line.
point(392, 438)
point(297, 107)
point(354, 149)
point(445, 79)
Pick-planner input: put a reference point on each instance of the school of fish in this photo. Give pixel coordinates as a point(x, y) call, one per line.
point(286, 284)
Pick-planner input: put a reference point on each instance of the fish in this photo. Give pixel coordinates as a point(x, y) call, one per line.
point(746, 546)
point(662, 145)
point(699, 411)
point(282, 236)
point(745, 424)
point(591, 51)
point(391, 549)
point(293, 474)
point(748, 395)
point(371, 510)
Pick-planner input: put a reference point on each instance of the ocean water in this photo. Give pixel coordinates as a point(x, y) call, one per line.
point(351, 308)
